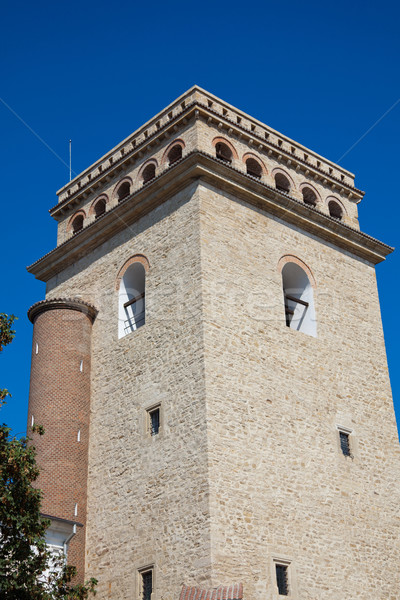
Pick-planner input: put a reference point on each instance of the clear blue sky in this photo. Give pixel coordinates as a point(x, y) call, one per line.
point(322, 73)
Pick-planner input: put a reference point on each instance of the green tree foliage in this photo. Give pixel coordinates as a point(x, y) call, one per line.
point(28, 571)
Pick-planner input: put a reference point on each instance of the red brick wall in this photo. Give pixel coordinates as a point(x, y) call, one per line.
point(60, 401)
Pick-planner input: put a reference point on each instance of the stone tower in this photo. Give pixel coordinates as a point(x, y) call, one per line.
point(210, 368)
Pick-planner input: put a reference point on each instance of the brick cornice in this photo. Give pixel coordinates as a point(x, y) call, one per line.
point(61, 304)
point(201, 166)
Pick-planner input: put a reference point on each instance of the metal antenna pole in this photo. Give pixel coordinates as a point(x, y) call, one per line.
point(70, 163)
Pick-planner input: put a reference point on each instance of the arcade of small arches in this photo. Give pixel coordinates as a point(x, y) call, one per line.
point(298, 285)
point(225, 152)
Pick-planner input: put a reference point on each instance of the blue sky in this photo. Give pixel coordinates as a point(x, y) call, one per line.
point(325, 74)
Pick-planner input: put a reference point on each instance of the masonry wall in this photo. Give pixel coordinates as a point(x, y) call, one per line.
point(148, 498)
point(279, 485)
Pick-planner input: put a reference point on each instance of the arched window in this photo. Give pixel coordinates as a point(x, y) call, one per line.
point(149, 172)
point(174, 154)
point(131, 312)
point(124, 190)
point(309, 196)
point(77, 224)
point(282, 183)
point(100, 207)
point(253, 168)
point(223, 152)
point(299, 299)
point(335, 210)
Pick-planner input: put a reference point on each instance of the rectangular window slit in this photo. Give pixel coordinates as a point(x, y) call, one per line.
point(345, 443)
point(33, 421)
point(76, 509)
point(36, 348)
point(147, 585)
point(79, 435)
point(154, 420)
point(81, 366)
point(282, 579)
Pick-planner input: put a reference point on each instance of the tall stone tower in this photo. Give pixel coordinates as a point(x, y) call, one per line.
point(210, 368)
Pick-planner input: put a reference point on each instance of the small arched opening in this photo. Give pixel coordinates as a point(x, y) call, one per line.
point(77, 224)
point(99, 208)
point(309, 196)
point(282, 183)
point(253, 168)
point(149, 172)
point(223, 152)
point(335, 210)
point(299, 299)
point(131, 301)
point(123, 191)
point(174, 154)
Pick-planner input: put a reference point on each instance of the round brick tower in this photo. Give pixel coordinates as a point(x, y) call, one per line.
point(59, 399)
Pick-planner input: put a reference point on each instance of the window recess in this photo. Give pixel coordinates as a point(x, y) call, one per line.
point(282, 579)
point(154, 420)
point(146, 584)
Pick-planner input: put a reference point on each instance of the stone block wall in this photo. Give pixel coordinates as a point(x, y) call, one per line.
point(280, 487)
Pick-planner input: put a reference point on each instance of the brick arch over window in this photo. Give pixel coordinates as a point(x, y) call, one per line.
point(257, 159)
point(151, 162)
point(72, 219)
point(222, 140)
point(94, 209)
point(122, 187)
point(177, 142)
point(303, 188)
point(279, 171)
point(297, 261)
point(338, 202)
point(137, 258)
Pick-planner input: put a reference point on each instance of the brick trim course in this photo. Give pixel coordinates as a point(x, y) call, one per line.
point(230, 592)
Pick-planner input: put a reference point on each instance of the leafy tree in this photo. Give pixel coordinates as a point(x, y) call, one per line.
point(28, 571)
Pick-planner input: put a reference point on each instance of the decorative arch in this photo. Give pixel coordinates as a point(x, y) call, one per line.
point(338, 202)
point(137, 258)
point(231, 147)
point(72, 219)
point(286, 258)
point(248, 155)
point(298, 294)
point(151, 161)
point(305, 184)
point(178, 142)
point(277, 170)
point(101, 198)
point(119, 187)
point(131, 290)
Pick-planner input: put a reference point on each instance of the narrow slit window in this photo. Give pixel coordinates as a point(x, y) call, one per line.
point(154, 420)
point(345, 443)
point(282, 579)
point(146, 584)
